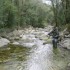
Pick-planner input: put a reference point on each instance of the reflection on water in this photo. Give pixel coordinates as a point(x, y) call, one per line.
point(41, 57)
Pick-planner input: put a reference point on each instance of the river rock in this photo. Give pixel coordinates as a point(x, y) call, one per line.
point(4, 42)
point(69, 65)
point(66, 43)
point(28, 44)
point(15, 43)
point(23, 37)
point(16, 38)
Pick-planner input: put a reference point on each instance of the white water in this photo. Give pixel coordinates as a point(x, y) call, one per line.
point(40, 58)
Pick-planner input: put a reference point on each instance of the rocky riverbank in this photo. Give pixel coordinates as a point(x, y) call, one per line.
point(27, 36)
point(32, 46)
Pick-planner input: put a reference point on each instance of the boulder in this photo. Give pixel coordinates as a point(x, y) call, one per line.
point(66, 43)
point(15, 43)
point(28, 44)
point(68, 64)
point(4, 42)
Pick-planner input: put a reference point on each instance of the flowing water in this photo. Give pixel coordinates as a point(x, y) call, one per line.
point(39, 57)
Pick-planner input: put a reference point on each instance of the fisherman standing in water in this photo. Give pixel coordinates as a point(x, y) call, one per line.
point(55, 36)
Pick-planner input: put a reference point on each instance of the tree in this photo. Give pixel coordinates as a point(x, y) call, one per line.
point(21, 13)
point(61, 11)
point(9, 13)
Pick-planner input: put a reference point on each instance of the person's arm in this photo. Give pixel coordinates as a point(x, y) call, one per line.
point(50, 33)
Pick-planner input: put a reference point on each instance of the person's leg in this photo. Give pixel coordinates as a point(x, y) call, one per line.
point(54, 44)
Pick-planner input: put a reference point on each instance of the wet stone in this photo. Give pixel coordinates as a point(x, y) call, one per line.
point(4, 42)
point(69, 65)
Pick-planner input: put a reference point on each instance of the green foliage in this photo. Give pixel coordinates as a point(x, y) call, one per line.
point(1, 13)
point(9, 14)
point(16, 13)
point(68, 27)
point(21, 13)
point(61, 11)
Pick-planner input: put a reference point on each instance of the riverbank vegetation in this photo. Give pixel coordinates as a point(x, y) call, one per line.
point(22, 13)
point(61, 11)
point(16, 13)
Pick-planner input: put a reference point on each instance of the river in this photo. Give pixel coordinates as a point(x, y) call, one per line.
point(38, 57)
